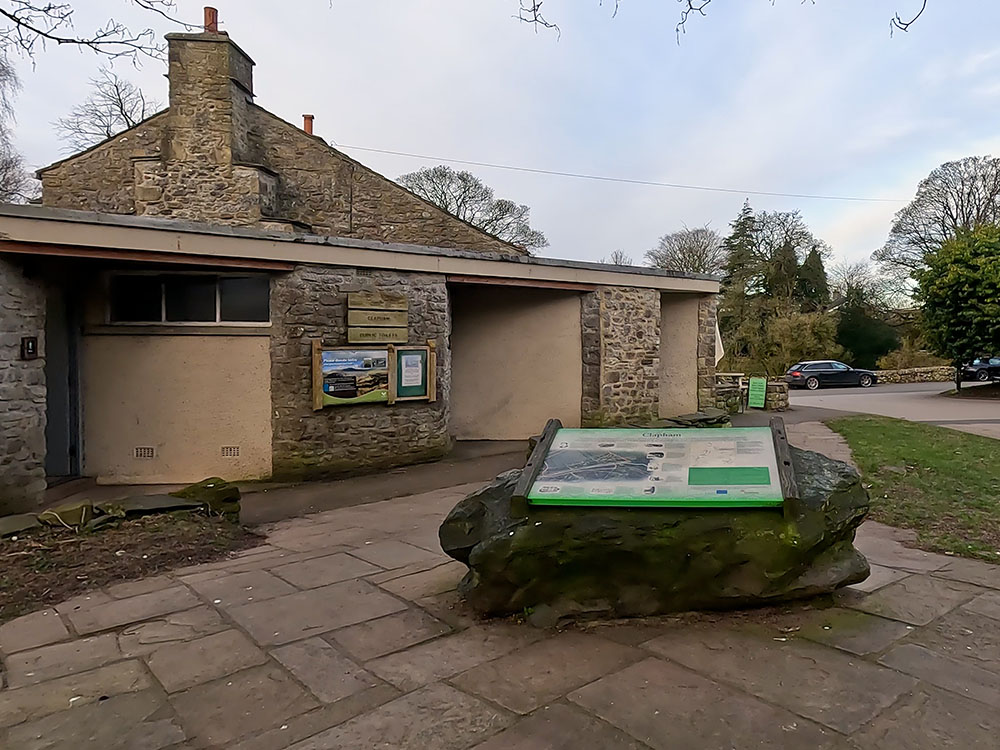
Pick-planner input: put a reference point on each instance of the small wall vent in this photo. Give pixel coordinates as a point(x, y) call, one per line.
point(230, 451)
point(144, 451)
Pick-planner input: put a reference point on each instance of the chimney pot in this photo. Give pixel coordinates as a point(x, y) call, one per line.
point(211, 20)
point(307, 123)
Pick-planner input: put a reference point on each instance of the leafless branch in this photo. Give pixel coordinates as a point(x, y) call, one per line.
point(27, 26)
point(114, 105)
point(897, 23)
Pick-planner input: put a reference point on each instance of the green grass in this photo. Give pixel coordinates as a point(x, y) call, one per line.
point(943, 484)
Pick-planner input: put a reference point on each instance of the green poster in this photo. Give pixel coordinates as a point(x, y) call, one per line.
point(757, 396)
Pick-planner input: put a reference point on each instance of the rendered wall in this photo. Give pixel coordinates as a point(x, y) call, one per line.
point(516, 361)
point(679, 354)
point(184, 396)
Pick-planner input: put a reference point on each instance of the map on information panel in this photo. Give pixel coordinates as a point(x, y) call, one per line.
point(725, 468)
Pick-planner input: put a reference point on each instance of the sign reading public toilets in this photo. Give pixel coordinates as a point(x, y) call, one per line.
point(377, 318)
point(726, 468)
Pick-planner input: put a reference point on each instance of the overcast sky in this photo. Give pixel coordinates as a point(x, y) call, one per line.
point(794, 98)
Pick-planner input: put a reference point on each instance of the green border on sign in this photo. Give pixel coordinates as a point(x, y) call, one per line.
point(412, 391)
point(706, 503)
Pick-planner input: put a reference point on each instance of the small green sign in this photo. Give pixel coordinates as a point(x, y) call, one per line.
point(757, 395)
point(412, 373)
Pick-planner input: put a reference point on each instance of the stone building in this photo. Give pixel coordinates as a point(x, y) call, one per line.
point(158, 312)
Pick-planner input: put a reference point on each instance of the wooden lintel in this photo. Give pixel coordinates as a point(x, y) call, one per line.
point(533, 283)
point(142, 256)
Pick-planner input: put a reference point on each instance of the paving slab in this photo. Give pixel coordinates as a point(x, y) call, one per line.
point(668, 707)
point(879, 577)
point(179, 666)
point(394, 554)
point(313, 612)
point(302, 538)
point(131, 721)
point(72, 691)
point(322, 571)
point(143, 586)
point(240, 588)
point(931, 718)
point(452, 654)
point(966, 636)
point(886, 546)
point(118, 612)
point(31, 631)
point(83, 601)
point(436, 717)
point(327, 673)
point(319, 719)
point(856, 632)
point(146, 637)
point(985, 604)
point(628, 632)
point(542, 672)
point(432, 561)
point(429, 582)
point(823, 684)
point(368, 640)
point(560, 727)
point(971, 571)
point(218, 713)
point(945, 672)
point(916, 600)
point(71, 657)
point(450, 608)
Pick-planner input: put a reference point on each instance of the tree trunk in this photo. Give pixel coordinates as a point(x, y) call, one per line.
point(958, 376)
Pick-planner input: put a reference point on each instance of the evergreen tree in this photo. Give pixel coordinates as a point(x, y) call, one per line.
point(813, 289)
point(783, 273)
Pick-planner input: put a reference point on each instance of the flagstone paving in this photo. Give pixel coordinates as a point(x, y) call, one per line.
point(345, 631)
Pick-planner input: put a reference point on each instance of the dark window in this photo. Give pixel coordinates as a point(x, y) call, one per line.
point(189, 299)
point(136, 299)
point(813, 366)
point(839, 366)
point(244, 299)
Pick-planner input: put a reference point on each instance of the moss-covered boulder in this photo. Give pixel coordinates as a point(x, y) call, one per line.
point(216, 494)
point(621, 562)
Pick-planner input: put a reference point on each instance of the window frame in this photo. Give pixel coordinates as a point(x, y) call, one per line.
point(163, 322)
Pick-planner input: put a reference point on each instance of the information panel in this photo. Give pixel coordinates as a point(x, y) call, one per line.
point(724, 468)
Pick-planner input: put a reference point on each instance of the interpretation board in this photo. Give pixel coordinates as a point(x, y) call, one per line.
point(349, 376)
point(690, 468)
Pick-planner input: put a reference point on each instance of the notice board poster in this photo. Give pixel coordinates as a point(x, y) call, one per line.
point(735, 467)
point(412, 373)
point(350, 376)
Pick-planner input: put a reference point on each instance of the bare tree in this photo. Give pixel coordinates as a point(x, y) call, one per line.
point(466, 196)
point(530, 11)
point(862, 281)
point(618, 258)
point(114, 105)
point(958, 195)
point(27, 26)
point(697, 250)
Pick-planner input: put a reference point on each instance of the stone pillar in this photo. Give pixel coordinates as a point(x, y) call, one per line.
point(707, 317)
point(22, 391)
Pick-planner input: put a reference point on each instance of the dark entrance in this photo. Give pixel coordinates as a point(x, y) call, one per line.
point(62, 427)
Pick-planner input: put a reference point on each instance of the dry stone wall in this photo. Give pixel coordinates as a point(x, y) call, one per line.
point(22, 391)
point(311, 303)
point(707, 317)
point(942, 374)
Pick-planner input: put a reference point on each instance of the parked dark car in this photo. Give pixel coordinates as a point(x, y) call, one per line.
point(827, 372)
point(982, 369)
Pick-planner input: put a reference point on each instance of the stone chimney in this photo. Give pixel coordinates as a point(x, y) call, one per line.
point(211, 87)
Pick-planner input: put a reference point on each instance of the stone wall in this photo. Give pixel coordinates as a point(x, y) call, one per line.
point(943, 374)
point(730, 399)
point(22, 391)
point(310, 303)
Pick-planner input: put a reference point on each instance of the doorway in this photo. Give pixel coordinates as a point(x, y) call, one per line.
point(62, 380)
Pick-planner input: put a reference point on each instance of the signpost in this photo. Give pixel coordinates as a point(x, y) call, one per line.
point(757, 393)
point(748, 467)
point(377, 318)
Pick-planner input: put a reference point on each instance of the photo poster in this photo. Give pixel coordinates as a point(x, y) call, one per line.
point(412, 373)
point(350, 376)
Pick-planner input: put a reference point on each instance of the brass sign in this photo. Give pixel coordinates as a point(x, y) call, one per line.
point(378, 318)
point(377, 335)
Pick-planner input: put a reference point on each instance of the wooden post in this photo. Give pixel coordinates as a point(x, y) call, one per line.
point(432, 371)
point(393, 375)
point(317, 374)
point(519, 500)
point(786, 470)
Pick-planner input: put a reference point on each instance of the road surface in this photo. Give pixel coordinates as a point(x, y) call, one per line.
point(918, 402)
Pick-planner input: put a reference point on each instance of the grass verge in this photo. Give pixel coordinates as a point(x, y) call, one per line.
point(45, 566)
point(941, 483)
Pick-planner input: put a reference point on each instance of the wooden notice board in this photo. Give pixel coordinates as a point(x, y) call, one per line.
point(412, 373)
point(377, 318)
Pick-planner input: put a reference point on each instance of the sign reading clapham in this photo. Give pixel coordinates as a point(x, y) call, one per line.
point(377, 318)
